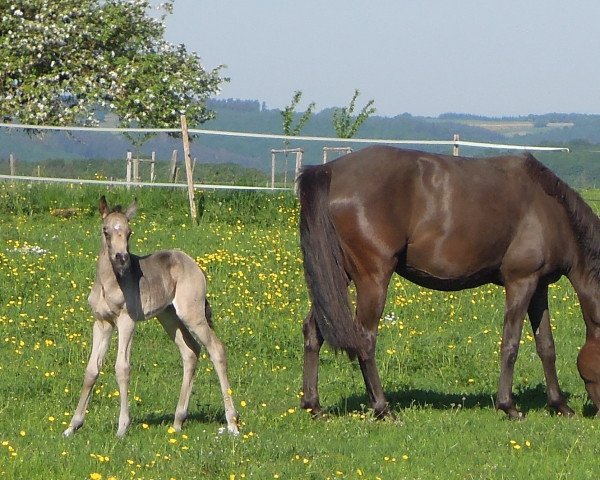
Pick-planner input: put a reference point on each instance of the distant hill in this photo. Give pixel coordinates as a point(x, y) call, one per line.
point(580, 132)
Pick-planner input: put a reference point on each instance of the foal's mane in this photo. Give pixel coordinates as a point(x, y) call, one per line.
point(584, 221)
point(116, 209)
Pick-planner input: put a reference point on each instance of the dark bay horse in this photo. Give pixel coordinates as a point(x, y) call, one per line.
point(446, 223)
point(168, 285)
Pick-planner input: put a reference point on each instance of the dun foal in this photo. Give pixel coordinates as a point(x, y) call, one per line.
point(168, 285)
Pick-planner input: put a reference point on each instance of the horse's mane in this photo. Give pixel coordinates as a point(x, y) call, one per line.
point(584, 221)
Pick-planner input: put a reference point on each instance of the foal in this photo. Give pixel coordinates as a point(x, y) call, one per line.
point(168, 285)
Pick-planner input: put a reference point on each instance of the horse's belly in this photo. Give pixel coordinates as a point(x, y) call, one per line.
point(442, 269)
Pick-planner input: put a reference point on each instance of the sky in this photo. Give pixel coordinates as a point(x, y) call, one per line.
point(422, 57)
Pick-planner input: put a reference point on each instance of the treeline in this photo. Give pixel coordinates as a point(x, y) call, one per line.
point(60, 153)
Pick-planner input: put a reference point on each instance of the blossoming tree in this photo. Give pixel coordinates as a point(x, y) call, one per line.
point(66, 62)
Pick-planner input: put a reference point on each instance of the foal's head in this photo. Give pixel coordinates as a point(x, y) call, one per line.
point(115, 234)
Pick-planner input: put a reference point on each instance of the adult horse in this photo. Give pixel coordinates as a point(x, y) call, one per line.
point(446, 223)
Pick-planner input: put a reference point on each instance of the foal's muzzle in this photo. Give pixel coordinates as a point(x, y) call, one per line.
point(121, 262)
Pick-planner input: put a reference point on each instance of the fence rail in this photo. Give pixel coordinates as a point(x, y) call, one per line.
point(184, 131)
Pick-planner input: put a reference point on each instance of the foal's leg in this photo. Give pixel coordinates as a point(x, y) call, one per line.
point(125, 326)
point(313, 340)
point(101, 333)
point(193, 316)
point(189, 349)
point(518, 296)
point(539, 318)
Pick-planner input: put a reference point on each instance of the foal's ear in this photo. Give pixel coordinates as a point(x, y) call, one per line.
point(131, 209)
point(103, 206)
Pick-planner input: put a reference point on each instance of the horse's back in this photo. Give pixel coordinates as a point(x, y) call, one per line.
point(450, 222)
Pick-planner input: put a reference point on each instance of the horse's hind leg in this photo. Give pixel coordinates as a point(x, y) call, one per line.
point(193, 316)
point(313, 340)
point(370, 301)
point(540, 324)
point(101, 333)
point(189, 349)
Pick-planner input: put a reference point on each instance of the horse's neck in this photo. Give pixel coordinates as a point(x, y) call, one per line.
point(586, 283)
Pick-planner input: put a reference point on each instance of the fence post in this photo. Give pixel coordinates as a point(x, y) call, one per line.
point(298, 161)
point(455, 147)
point(173, 167)
point(13, 165)
point(188, 168)
point(128, 178)
point(272, 168)
point(152, 177)
point(136, 170)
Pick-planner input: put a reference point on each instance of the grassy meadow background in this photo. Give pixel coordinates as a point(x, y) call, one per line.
point(437, 353)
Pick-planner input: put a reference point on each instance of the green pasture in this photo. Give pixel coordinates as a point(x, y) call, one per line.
point(437, 353)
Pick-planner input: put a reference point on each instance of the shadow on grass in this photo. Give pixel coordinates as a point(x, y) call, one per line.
point(527, 398)
point(204, 414)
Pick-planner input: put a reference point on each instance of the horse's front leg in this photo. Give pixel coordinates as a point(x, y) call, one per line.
point(101, 333)
point(518, 296)
point(539, 318)
point(125, 326)
point(313, 340)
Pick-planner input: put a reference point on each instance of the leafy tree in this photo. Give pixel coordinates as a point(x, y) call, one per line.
point(345, 124)
point(288, 115)
point(66, 62)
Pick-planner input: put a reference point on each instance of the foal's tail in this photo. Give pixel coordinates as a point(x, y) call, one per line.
point(326, 278)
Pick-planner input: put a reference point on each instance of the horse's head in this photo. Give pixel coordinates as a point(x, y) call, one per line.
point(116, 233)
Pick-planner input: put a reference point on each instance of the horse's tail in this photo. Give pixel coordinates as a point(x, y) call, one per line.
point(324, 271)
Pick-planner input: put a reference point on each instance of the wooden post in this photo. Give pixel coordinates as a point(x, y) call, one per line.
point(173, 167)
point(128, 178)
point(455, 148)
point(39, 171)
point(188, 168)
point(298, 162)
point(152, 177)
point(272, 168)
point(136, 170)
point(13, 165)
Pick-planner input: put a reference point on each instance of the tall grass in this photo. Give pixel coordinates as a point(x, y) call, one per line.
point(437, 353)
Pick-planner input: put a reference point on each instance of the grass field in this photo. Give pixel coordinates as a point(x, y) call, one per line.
point(437, 354)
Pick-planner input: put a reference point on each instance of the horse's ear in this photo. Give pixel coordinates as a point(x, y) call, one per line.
point(103, 206)
point(131, 209)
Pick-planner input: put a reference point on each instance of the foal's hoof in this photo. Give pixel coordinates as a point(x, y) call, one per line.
point(231, 430)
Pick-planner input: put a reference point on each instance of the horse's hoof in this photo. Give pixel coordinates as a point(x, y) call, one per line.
point(564, 411)
point(516, 415)
point(384, 414)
